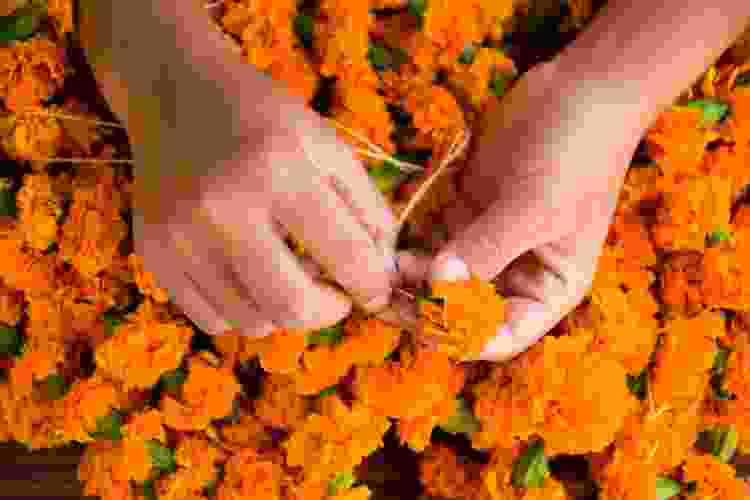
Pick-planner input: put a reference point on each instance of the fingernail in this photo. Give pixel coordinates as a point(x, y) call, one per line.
point(516, 336)
point(449, 268)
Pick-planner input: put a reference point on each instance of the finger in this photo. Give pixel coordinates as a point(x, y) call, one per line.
point(414, 267)
point(340, 244)
point(350, 181)
point(458, 216)
point(506, 230)
point(170, 274)
point(253, 267)
point(543, 287)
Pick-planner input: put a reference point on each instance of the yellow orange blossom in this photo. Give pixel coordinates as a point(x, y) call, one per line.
point(497, 485)
point(409, 390)
point(30, 72)
point(692, 209)
point(29, 419)
point(416, 431)
point(622, 324)
point(94, 228)
point(366, 342)
point(200, 457)
point(208, 394)
point(677, 141)
point(182, 485)
point(96, 472)
point(34, 365)
point(31, 274)
point(358, 493)
point(341, 38)
point(454, 29)
point(279, 404)
point(61, 14)
point(438, 118)
point(729, 161)
point(249, 432)
point(38, 209)
point(470, 315)
point(737, 378)
point(145, 280)
point(358, 107)
point(136, 461)
point(265, 28)
point(279, 352)
point(685, 358)
point(143, 348)
point(31, 137)
point(11, 305)
point(248, 475)
point(442, 475)
point(557, 386)
point(337, 440)
point(87, 401)
point(472, 83)
point(714, 479)
point(298, 73)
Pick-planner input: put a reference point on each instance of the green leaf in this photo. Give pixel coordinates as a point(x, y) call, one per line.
point(172, 381)
point(162, 458)
point(383, 58)
point(10, 341)
point(21, 25)
point(111, 322)
point(463, 422)
point(531, 468)
point(304, 27)
point(720, 359)
point(108, 427)
point(724, 441)
point(499, 84)
point(667, 488)
point(7, 202)
point(638, 384)
point(342, 481)
point(326, 336)
point(386, 176)
point(149, 490)
point(378, 57)
point(713, 110)
point(209, 489)
point(55, 387)
point(742, 80)
point(719, 236)
point(417, 7)
point(328, 391)
point(467, 56)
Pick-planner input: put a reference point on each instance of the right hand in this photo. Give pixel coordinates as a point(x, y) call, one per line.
point(226, 164)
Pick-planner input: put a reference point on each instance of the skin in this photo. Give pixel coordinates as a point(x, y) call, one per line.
point(213, 203)
point(566, 135)
point(550, 200)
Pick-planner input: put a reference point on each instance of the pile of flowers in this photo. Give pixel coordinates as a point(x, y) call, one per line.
point(642, 392)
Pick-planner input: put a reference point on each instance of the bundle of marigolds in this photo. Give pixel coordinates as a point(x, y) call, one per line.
point(643, 392)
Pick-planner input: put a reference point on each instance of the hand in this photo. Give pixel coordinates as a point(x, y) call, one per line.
point(227, 163)
point(535, 201)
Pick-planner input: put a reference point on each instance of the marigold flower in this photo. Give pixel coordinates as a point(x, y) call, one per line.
point(470, 315)
point(336, 440)
point(145, 280)
point(279, 404)
point(248, 475)
point(11, 305)
point(713, 478)
point(208, 394)
point(87, 401)
point(31, 136)
point(444, 476)
point(144, 348)
point(30, 72)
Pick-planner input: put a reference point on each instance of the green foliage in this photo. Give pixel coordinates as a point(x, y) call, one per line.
point(531, 468)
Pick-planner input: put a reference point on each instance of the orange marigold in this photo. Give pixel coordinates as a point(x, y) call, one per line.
point(30, 72)
point(470, 315)
point(208, 393)
point(249, 475)
point(87, 401)
point(713, 478)
point(144, 348)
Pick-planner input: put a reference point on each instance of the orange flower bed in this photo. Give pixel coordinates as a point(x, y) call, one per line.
point(645, 382)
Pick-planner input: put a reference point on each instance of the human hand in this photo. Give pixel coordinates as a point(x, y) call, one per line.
point(226, 164)
point(535, 201)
